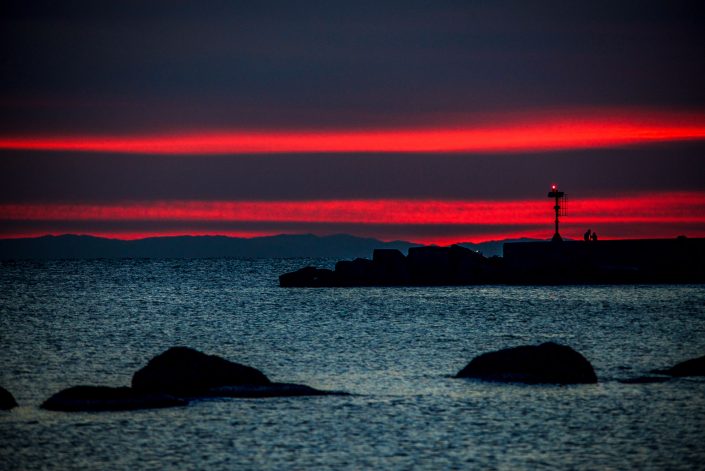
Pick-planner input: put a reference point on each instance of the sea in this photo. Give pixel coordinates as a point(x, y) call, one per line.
point(95, 322)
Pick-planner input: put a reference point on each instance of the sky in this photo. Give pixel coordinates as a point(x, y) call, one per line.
point(429, 121)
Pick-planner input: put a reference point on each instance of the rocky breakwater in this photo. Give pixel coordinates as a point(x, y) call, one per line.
point(548, 363)
point(423, 266)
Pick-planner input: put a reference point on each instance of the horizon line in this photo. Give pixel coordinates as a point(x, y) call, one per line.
point(320, 236)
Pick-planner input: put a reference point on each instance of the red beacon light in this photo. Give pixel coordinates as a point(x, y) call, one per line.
point(554, 193)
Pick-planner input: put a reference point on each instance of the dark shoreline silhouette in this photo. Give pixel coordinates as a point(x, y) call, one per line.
point(678, 260)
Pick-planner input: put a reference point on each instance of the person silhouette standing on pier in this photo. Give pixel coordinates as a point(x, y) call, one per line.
point(593, 237)
point(586, 236)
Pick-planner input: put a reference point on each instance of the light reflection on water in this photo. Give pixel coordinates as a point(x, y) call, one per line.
point(64, 323)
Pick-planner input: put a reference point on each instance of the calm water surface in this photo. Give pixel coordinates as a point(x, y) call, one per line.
point(64, 323)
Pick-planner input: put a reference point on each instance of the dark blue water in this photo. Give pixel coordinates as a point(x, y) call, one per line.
point(64, 323)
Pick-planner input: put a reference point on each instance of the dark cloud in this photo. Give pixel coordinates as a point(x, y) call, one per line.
point(134, 65)
point(84, 178)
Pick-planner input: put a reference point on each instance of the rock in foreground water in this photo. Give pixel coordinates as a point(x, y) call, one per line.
point(7, 400)
point(186, 372)
point(548, 363)
point(692, 367)
point(183, 371)
point(103, 398)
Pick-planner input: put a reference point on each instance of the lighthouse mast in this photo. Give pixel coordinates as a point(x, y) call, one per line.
point(559, 196)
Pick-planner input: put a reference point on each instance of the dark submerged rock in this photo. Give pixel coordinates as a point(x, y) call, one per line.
point(183, 371)
point(548, 363)
point(692, 367)
point(7, 400)
point(645, 380)
point(186, 372)
point(103, 398)
point(270, 390)
point(308, 277)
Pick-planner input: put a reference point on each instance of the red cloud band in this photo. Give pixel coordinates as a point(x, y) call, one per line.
point(677, 208)
point(526, 135)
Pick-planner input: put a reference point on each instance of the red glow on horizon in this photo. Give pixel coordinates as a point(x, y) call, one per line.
point(432, 239)
point(525, 135)
point(671, 207)
point(653, 214)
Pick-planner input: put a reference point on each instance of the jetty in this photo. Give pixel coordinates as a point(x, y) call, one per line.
point(558, 261)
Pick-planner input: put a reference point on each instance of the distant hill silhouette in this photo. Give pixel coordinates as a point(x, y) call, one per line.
point(279, 246)
point(341, 246)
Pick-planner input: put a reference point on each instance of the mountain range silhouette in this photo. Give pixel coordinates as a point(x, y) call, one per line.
point(71, 246)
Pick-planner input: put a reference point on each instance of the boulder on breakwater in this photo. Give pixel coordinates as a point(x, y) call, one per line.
point(692, 367)
point(7, 400)
point(103, 398)
point(548, 363)
point(185, 372)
